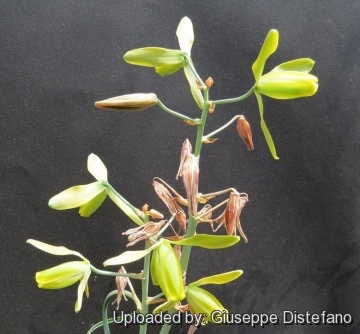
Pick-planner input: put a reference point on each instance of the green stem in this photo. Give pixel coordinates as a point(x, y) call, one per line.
point(145, 285)
point(111, 273)
point(165, 329)
point(221, 128)
point(176, 114)
point(191, 228)
point(235, 99)
point(154, 298)
point(201, 126)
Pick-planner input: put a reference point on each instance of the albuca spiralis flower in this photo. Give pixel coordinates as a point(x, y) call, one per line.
point(89, 197)
point(167, 61)
point(201, 301)
point(65, 274)
point(289, 80)
point(166, 272)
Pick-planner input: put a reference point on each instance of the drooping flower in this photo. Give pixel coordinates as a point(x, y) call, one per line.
point(166, 272)
point(189, 171)
point(171, 202)
point(121, 283)
point(289, 80)
point(230, 218)
point(65, 274)
point(87, 197)
point(167, 61)
point(203, 302)
point(190, 176)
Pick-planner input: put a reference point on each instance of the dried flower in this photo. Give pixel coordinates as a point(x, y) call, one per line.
point(186, 149)
point(121, 283)
point(231, 216)
point(190, 176)
point(143, 232)
point(244, 131)
point(171, 203)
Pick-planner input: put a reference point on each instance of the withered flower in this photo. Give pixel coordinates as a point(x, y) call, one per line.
point(121, 283)
point(142, 232)
point(231, 216)
point(190, 176)
point(185, 150)
point(244, 131)
point(165, 195)
point(205, 215)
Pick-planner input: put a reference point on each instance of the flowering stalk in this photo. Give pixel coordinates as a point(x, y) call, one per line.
point(167, 264)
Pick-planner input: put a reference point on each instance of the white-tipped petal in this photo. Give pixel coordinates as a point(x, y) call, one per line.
point(185, 35)
point(76, 196)
point(96, 167)
point(82, 287)
point(55, 250)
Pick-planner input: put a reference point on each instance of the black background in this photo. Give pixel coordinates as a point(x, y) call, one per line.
point(302, 220)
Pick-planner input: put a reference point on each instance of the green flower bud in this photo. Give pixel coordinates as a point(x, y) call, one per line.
point(166, 272)
point(202, 302)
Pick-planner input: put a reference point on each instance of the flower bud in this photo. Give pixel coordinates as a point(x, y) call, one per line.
point(202, 302)
point(155, 214)
point(209, 82)
point(244, 131)
point(166, 272)
point(129, 102)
